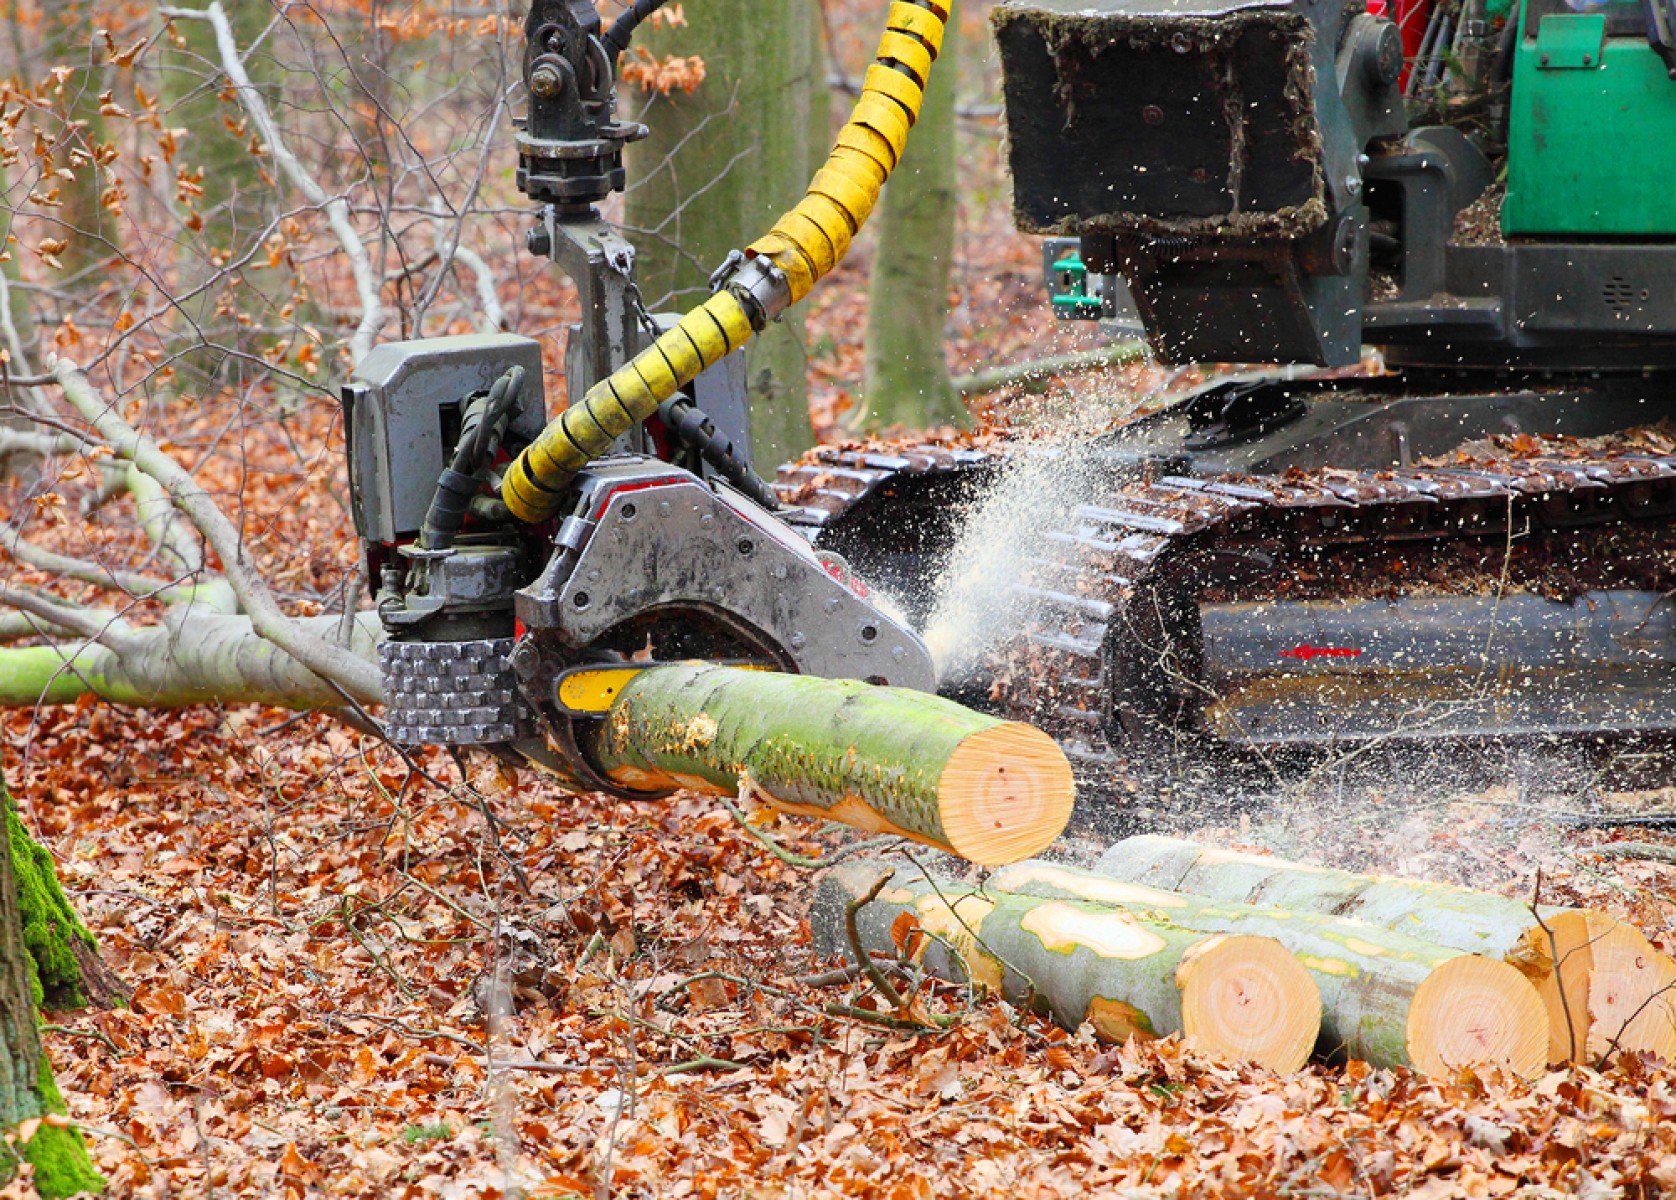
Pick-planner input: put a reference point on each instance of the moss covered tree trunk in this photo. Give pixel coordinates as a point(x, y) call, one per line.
point(1386, 998)
point(720, 166)
point(883, 759)
point(1604, 985)
point(907, 374)
point(1240, 997)
point(29, 1101)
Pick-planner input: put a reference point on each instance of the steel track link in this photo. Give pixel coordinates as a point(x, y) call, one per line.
point(1110, 663)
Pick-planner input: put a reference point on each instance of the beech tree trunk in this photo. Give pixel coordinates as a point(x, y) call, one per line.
point(907, 374)
point(29, 1101)
point(1241, 997)
point(1602, 982)
point(1386, 998)
point(719, 167)
point(886, 760)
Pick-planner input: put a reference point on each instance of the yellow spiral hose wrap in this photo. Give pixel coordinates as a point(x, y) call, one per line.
point(805, 245)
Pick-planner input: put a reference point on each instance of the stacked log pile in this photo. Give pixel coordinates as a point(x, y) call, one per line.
point(1267, 961)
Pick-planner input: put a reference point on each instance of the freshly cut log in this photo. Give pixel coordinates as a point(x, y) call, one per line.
point(887, 760)
point(1601, 981)
point(1386, 998)
point(1244, 998)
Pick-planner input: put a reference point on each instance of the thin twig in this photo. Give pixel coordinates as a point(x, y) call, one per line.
point(852, 933)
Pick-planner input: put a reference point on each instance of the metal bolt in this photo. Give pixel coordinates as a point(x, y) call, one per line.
point(539, 241)
point(630, 512)
point(746, 546)
point(545, 81)
point(1544, 60)
point(797, 641)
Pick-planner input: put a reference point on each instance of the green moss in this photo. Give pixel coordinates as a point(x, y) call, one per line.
point(50, 925)
point(62, 1167)
point(439, 1131)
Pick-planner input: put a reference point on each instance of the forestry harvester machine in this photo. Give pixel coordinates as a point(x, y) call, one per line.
point(1474, 539)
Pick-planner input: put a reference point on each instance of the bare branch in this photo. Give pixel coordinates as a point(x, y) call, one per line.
point(95, 626)
point(357, 677)
point(336, 208)
point(494, 316)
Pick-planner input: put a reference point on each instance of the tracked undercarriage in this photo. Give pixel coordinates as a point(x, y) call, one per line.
point(1514, 588)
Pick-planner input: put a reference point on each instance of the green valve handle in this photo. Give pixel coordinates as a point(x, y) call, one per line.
point(1074, 303)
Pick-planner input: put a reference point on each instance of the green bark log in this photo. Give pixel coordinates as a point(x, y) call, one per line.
point(194, 657)
point(1127, 976)
point(1386, 999)
point(907, 375)
point(884, 759)
point(1601, 981)
point(719, 168)
point(62, 1167)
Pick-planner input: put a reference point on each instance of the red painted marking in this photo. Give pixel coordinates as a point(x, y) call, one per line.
point(1306, 653)
point(637, 486)
point(855, 585)
point(518, 629)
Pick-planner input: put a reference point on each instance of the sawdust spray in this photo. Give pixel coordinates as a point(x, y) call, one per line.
point(981, 593)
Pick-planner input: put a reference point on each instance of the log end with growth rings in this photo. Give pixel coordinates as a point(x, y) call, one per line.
point(1474, 1012)
point(1248, 999)
point(1632, 997)
point(1005, 794)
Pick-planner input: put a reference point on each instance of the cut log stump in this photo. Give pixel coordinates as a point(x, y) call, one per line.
point(887, 760)
point(1244, 998)
point(1603, 984)
point(1386, 998)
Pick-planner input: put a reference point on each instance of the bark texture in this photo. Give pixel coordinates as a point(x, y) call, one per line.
point(193, 657)
point(907, 375)
point(1240, 997)
point(1386, 999)
point(720, 166)
point(1557, 949)
point(882, 759)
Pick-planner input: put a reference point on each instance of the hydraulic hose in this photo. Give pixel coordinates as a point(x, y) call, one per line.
point(780, 268)
point(622, 29)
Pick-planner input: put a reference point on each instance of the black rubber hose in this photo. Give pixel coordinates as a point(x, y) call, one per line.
point(480, 436)
point(688, 425)
point(616, 39)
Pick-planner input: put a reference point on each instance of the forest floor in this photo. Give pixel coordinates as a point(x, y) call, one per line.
point(362, 975)
point(350, 980)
